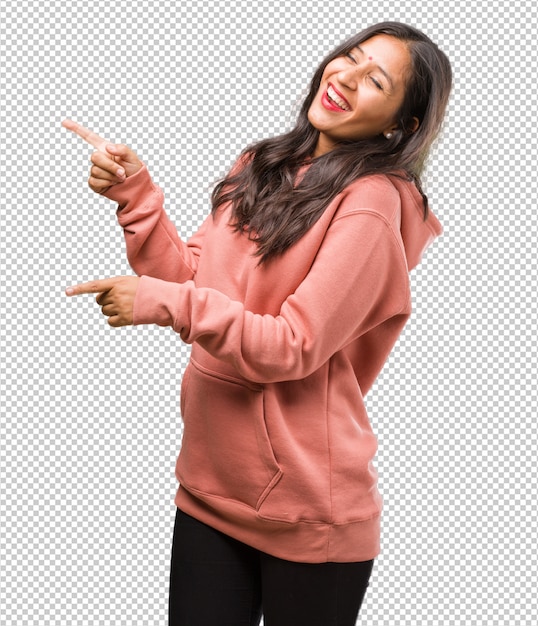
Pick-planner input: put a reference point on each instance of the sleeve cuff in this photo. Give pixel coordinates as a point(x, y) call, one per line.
point(133, 190)
point(155, 300)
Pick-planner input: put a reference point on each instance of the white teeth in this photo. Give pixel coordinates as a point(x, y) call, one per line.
point(337, 99)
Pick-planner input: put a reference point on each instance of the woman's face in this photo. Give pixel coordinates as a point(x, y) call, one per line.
point(360, 93)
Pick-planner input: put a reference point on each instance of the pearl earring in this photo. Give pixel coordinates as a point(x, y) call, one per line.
point(389, 135)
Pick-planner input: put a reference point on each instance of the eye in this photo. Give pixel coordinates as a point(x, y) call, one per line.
point(377, 84)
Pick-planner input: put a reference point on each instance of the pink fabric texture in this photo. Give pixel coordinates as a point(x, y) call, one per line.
point(277, 446)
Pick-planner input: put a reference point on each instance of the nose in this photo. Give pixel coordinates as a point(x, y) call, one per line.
point(349, 76)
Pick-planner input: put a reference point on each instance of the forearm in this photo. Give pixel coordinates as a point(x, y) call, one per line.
point(344, 296)
point(154, 247)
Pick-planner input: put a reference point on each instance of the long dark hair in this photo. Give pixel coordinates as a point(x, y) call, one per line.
point(275, 211)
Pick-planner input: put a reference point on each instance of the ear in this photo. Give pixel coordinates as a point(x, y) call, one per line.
point(415, 123)
point(413, 127)
point(392, 129)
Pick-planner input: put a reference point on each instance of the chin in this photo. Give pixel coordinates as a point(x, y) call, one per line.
point(315, 117)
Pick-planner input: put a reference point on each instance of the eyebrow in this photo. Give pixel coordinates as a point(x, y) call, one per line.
point(383, 71)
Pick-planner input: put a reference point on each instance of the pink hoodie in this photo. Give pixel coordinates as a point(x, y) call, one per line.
point(277, 447)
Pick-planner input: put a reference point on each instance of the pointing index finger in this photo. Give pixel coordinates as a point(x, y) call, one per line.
point(85, 133)
point(94, 286)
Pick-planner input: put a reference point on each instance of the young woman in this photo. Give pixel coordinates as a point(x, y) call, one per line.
point(292, 294)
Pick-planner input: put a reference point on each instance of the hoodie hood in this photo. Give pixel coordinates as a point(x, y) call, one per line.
point(417, 233)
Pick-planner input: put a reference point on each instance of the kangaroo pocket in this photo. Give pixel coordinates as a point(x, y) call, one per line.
point(225, 450)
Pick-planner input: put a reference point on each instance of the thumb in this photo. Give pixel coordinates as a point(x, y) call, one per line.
point(121, 150)
point(127, 157)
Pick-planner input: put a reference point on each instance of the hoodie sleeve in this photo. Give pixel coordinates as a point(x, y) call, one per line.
point(154, 247)
point(357, 281)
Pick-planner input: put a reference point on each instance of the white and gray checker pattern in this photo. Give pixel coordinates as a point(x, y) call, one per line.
point(89, 415)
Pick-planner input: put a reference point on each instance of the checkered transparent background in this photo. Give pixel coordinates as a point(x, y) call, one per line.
point(89, 415)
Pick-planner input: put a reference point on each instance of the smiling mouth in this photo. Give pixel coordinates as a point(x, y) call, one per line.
point(336, 99)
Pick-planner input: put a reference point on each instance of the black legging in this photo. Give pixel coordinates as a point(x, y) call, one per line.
point(218, 581)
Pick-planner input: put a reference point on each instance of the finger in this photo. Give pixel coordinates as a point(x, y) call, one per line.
point(125, 154)
point(116, 321)
point(109, 310)
point(88, 135)
point(104, 298)
point(108, 164)
point(99, 173)
point(94, 286)
point(99, 186)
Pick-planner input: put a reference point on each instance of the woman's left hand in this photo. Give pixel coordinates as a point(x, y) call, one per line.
point(115, 296)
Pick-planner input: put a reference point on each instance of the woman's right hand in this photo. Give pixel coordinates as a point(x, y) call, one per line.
point(112, 163)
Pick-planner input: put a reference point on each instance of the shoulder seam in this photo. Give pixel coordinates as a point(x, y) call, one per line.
point(387, 223)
